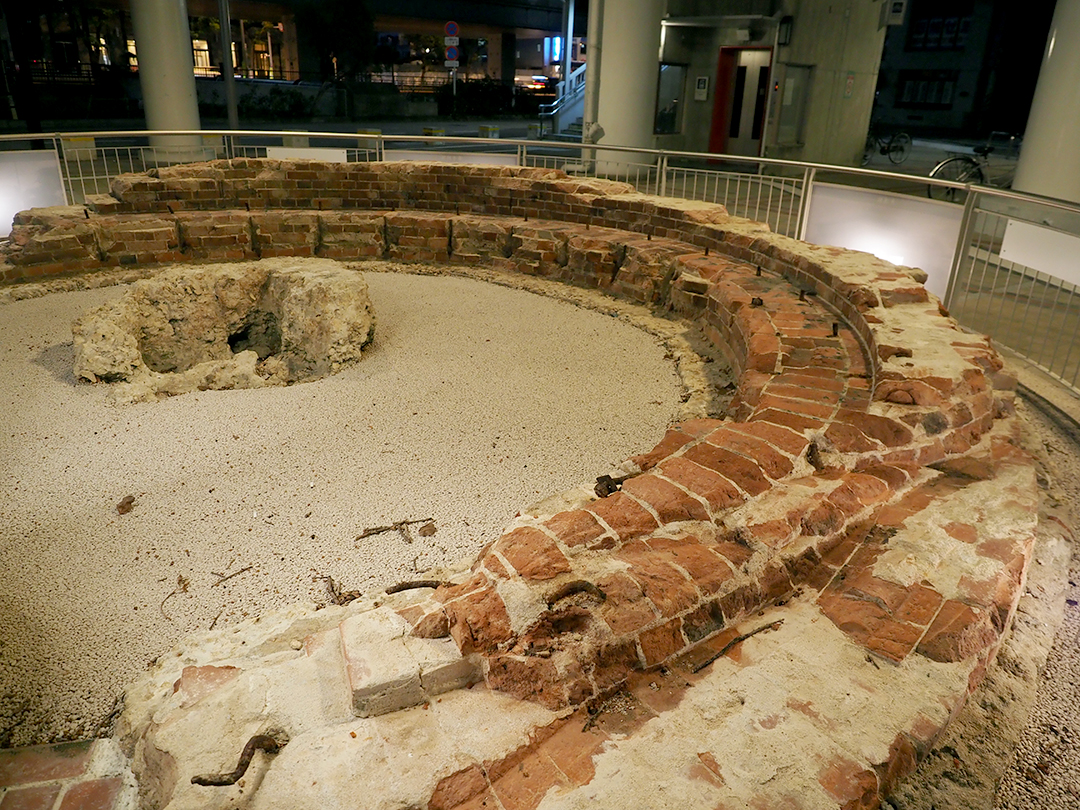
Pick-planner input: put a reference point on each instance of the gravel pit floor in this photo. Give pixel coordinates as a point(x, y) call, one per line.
point(474, 401)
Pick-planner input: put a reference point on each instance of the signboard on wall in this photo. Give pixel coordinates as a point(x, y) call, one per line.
point(892, 12)
point(1043, 249)
point(901, 229)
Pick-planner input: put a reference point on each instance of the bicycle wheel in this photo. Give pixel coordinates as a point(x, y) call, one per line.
point(957, 169)
point(899, 147)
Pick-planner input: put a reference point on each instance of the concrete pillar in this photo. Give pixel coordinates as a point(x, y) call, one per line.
point(494, 56)
point(509, 58)
point(630, 41)
point(167, 76)
point(1049, 160)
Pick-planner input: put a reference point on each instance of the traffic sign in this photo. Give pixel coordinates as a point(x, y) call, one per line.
point(451, 53)
point(451, 41)
point(451, 29)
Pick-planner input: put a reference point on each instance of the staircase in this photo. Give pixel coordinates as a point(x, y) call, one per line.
point(563, 117)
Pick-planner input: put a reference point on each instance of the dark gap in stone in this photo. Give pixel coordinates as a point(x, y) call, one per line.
point(261, 333)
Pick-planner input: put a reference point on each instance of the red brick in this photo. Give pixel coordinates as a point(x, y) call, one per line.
point(662, 642)
point(890, 433)
point(478, 621)
point(482, 801)
point(39, 797)
point(901, 763)
point(799, 406)
point(458, 787)
point(703, 622)
point(575, 528)
point(773, 463)
point(718, 491)
point(708, 570)
point(957, 633)
point(666, 586)
point(41, 763)
point(534, 555)
point(848, 439)
point(782, 438)
point(626, 609)
point(793, 421)
point(858, 618)
point(528, 678)
point(851, 785)
point(669, 502)
point(97, 794)
point(919, 606)
point(672, 441)
point(894, 640)
point(740, 471)
point(524, 786)
point(624, 515)
point(824, 519)
point(572, 749)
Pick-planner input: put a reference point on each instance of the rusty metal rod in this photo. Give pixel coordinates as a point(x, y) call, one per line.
point(264, 742)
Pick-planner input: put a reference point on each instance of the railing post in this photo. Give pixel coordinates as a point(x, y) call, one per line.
point(963, 239)
point(662, 163)
point(804, 204)
point(61, 165)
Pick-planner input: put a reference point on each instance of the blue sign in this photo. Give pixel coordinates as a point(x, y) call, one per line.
point(451, 53)
point(451, 29)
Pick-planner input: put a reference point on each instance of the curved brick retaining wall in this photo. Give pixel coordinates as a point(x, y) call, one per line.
point(853, 473)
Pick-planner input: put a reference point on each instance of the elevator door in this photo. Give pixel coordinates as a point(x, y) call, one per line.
point(739, 113)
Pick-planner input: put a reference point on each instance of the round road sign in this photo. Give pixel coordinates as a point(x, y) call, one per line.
point(451, 53)
point(451, 29)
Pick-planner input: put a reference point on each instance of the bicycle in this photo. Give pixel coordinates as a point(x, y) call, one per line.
point(973, 170)
point(896, 147)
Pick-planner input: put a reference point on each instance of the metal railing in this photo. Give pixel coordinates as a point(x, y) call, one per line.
point(1035, 313)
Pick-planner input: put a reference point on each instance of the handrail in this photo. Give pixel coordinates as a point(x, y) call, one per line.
point(576, 82)
point(652, 170)
point(801, 166)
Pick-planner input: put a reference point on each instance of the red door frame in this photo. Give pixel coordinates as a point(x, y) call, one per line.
point(725, 69)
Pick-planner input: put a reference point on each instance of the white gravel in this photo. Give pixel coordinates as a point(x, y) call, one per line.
point(474, 401)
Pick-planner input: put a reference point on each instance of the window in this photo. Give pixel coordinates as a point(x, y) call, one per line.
point(669, 96)
point(926, 89)
point(939, 25)
point(200, 50)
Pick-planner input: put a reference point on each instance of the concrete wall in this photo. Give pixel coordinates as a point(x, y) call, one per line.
point(842, 42)
point(839, 40)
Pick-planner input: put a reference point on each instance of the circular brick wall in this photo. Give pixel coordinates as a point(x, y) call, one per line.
point(863, 423)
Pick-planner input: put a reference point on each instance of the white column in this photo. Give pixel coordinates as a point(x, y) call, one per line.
point(167, 76)
point(628, 75)
point(1049, 160)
